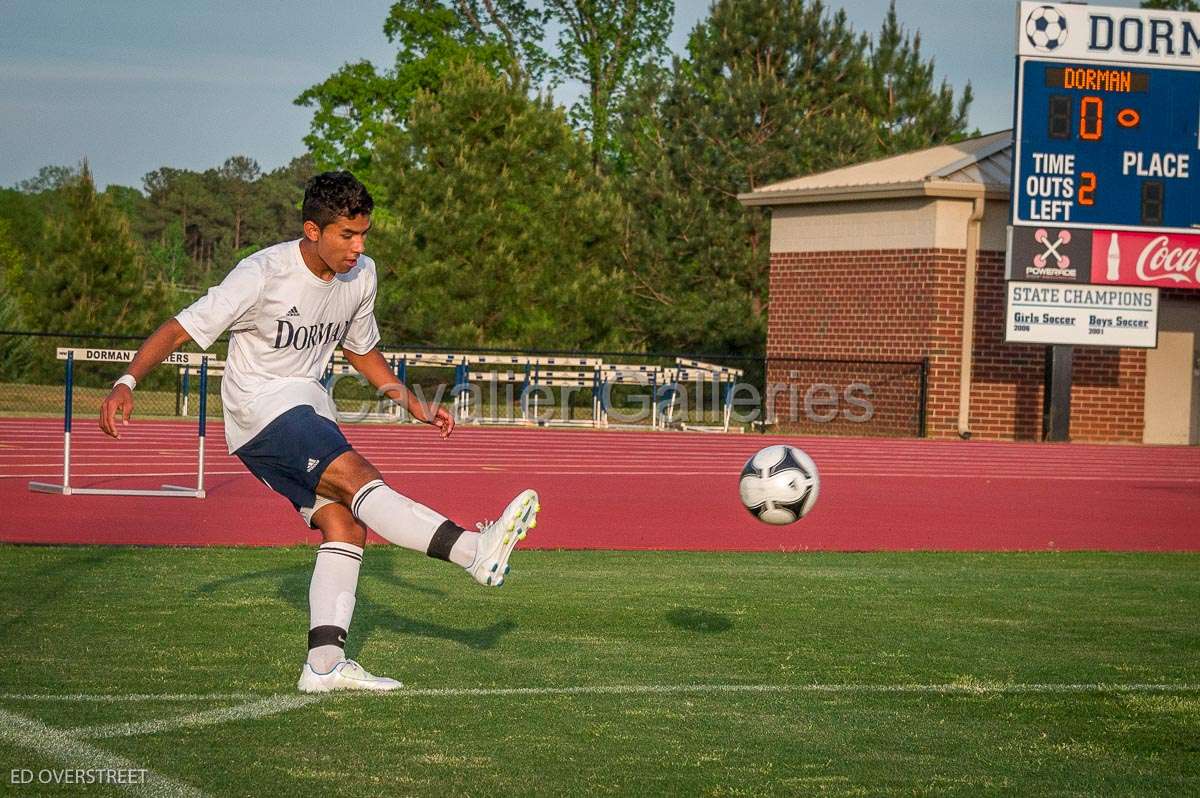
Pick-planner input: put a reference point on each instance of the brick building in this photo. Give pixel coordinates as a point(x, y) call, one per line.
point(903, 259)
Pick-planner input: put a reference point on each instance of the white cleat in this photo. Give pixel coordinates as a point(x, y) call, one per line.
point(346, 675)
point(498, 538)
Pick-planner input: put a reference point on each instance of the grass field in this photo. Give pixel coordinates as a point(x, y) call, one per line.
point(647, 673)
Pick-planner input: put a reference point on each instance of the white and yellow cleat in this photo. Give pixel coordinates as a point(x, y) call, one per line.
point(346, 675)
point(498, 538)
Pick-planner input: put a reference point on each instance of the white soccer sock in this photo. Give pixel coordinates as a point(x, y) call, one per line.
point(331, 603)
point(402, 521)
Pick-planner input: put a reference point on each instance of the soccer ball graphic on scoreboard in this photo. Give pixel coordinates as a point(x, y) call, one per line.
point(779, 484)
point(1046, 28)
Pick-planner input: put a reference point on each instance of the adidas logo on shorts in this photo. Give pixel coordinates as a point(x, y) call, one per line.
point(312, 464)
point(294, 311)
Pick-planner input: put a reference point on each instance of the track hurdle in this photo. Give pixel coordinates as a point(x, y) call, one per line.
point(216, 368)
point(400, 363)
point(611, 374)
point(124, 356)
point(535, 372)
point(456, 361)
point(723, 379)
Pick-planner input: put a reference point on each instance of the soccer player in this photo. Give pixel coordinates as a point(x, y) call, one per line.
point(287, 307)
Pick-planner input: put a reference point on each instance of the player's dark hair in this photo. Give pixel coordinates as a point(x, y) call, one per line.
point(332, 194)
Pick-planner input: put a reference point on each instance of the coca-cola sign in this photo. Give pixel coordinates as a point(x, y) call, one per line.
point(1166, 260)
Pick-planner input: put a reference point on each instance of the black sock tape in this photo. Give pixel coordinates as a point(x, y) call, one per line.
point(326, 636)
point(444, 539)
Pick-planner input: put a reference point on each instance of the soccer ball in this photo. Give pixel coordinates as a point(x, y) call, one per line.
point(1046, 28)
point(779, 484)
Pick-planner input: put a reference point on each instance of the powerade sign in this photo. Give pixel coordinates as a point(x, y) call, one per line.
point(1096, 33)
point(1054, 254)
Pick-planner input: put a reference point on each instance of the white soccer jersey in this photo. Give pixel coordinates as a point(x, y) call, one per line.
point(284, 322)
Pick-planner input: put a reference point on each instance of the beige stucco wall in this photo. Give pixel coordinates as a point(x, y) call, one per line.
point(1172, 410)
point(909, 223)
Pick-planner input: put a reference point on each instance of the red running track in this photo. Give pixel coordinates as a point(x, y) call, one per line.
point(629, 490)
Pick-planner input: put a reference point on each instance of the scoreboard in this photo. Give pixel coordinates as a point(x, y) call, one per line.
point(1105, 171)
point(1107, 146)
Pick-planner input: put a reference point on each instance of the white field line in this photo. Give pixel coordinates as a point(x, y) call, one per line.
point(1177, 470)
point(271, 705)
point(76, 698)
point(375, 446)
point(484, 468)
point(469, 437)
point(67, 745)
point(135, 468)
point(61, 746)
point(590, 439)
point(676, 464)
point(142, 450)
point(261, 705)
point(931, 689)
point(22, 456)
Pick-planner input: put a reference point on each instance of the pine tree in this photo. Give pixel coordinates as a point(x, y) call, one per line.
point(497, 230)
point(91, 276)
point(770, 89)
point(16, 351)
point(910, 111)
point(1172, 5)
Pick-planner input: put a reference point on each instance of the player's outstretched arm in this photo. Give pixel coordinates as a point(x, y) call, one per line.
point(119, 404)
point(374, 366)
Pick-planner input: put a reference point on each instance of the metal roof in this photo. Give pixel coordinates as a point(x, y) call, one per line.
point(950, 170)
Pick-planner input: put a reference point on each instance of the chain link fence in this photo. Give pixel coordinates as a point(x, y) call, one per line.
point(495, 386)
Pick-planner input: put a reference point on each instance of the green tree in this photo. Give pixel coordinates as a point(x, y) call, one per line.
point(516, 24)
point(133, 204)
point(91, 275)
point(237, 179)
point(604, 44)
point(49, 178)
point(280, 194)
point(770, 89)
point(27, 213)
point(359, 103)
point(187, 197)
point(222, 214)
point(16, 352)
point(168, 257)
point(500, 232)
point(1172, 5)
point(911, 112)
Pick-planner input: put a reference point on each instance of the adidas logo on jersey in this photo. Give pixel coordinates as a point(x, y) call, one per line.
point(312, 464)
point(294, 311)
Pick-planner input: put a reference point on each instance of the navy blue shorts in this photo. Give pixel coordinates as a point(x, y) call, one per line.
point(292, 452)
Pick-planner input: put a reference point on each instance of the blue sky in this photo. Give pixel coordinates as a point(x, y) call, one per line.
point(133, 86)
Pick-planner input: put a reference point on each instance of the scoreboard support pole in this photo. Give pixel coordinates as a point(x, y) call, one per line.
point(1056, 417)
